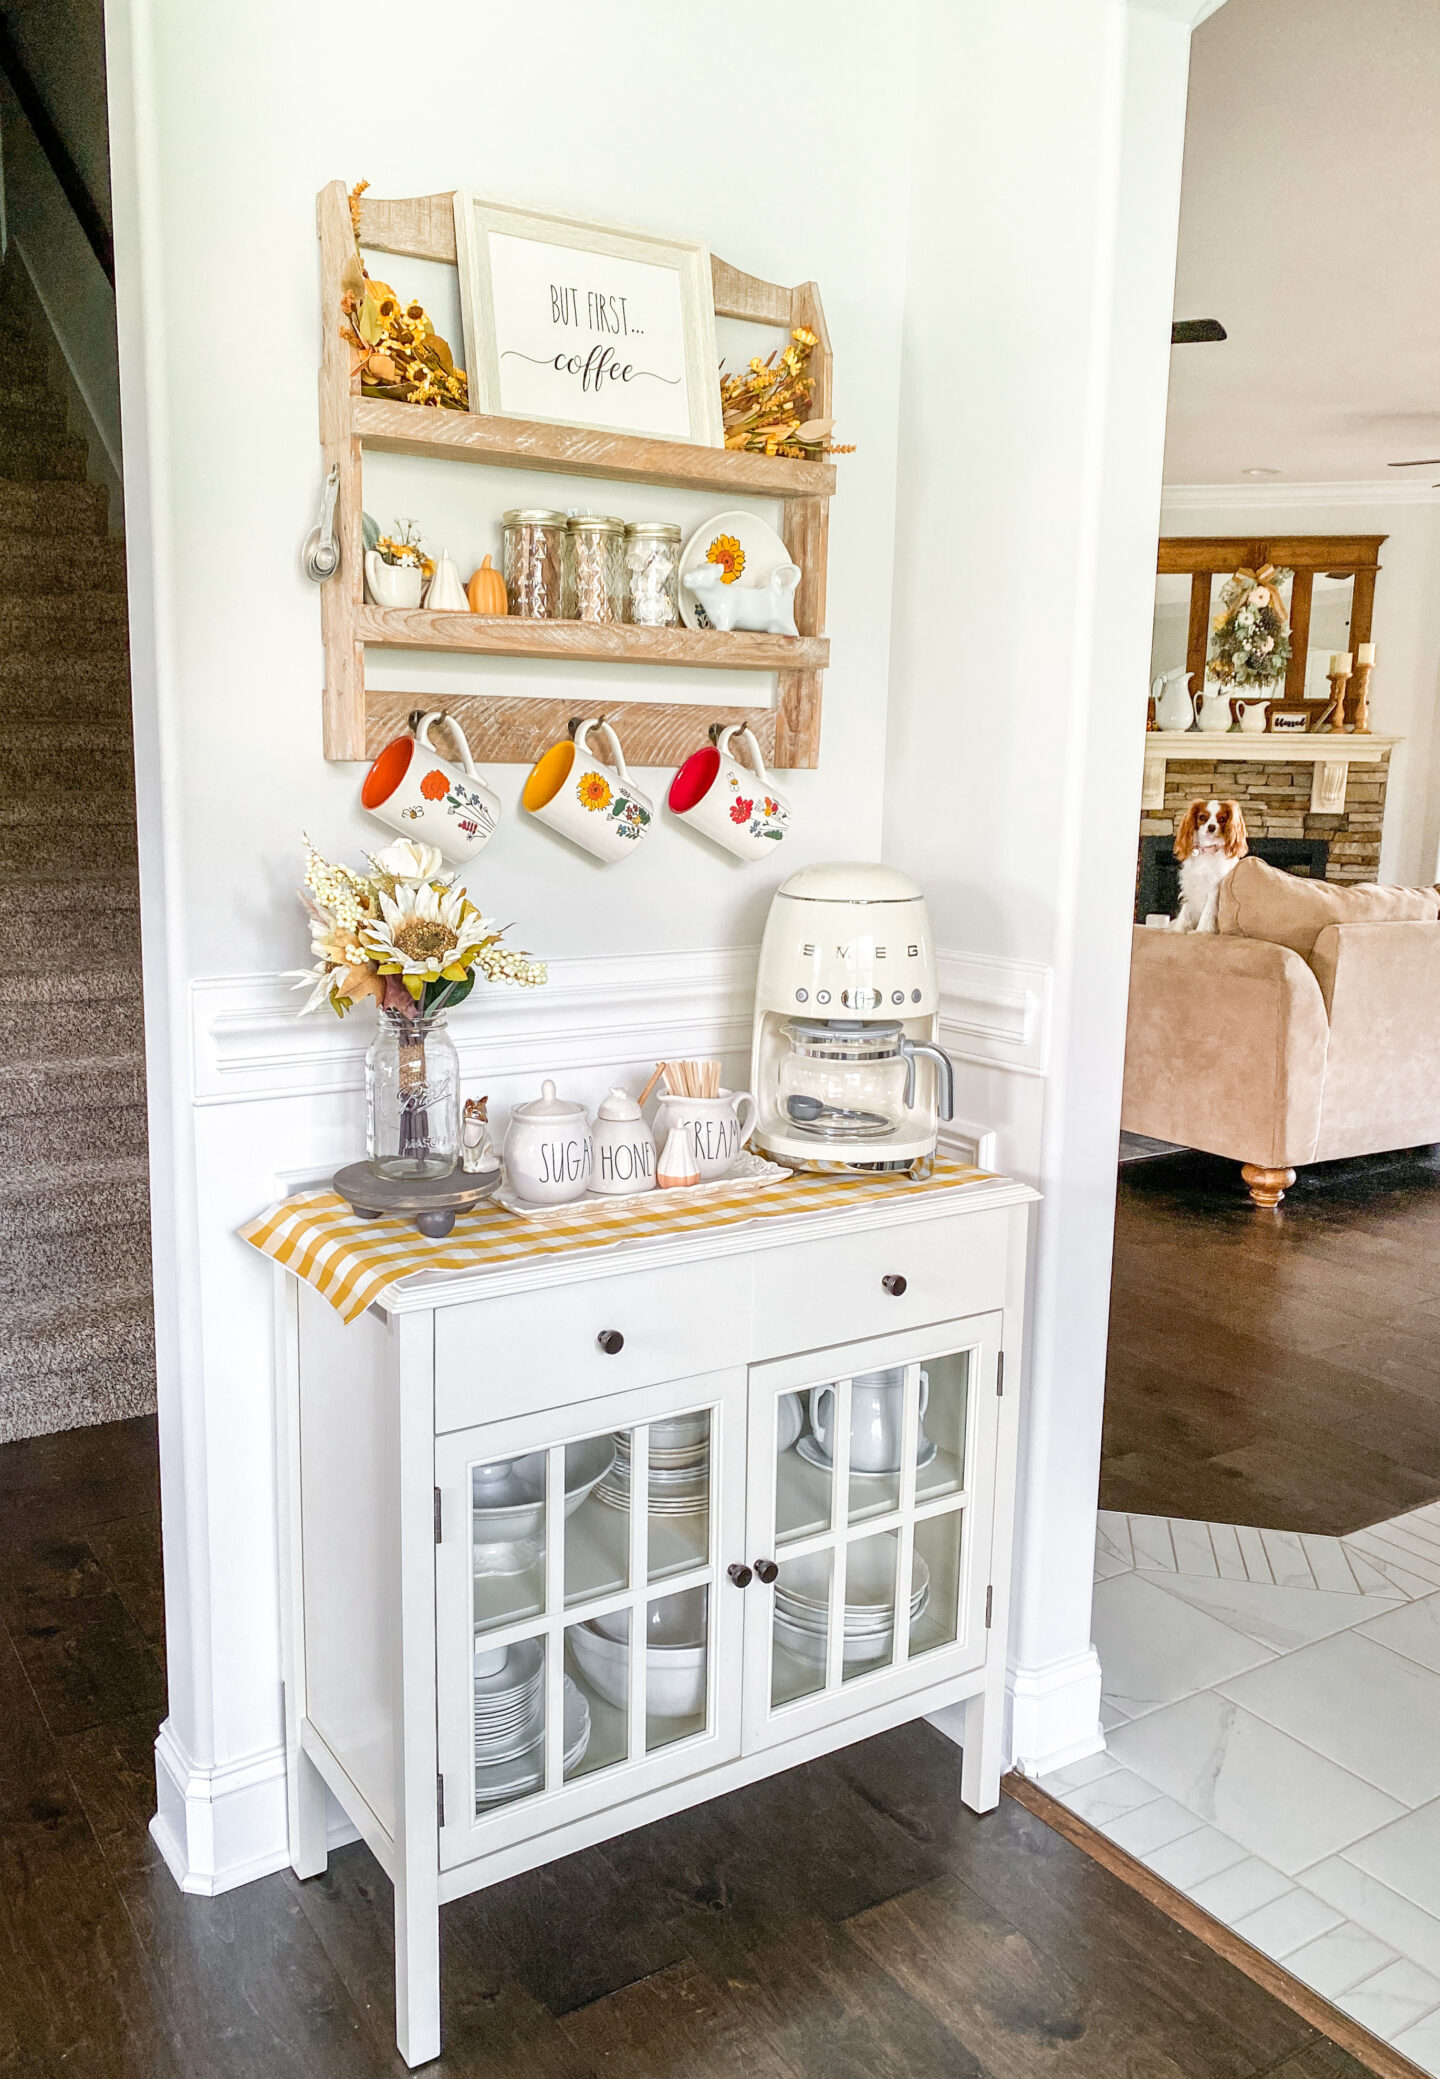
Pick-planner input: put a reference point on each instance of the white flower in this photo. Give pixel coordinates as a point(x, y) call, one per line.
point(1259, 597)
point(423, 930)
point(405, 861)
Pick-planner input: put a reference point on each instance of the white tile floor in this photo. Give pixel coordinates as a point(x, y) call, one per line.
point(1272, 1713)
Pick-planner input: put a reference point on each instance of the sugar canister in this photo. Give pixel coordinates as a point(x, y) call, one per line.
point(652, 565)
point(535, 544)
point(595, 589)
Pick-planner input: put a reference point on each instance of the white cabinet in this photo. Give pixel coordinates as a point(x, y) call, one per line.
point(575, 1544)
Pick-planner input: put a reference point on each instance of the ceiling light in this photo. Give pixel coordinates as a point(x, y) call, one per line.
point(1259, 472)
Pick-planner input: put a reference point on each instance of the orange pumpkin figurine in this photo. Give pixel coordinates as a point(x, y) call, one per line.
point(486, 591)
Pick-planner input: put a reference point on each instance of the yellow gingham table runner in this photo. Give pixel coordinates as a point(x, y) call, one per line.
point(354, 1262)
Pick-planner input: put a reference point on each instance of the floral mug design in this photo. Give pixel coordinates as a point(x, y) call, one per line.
point(597, 806)
point(738, 806)
point(595, 793)
point(419, 793)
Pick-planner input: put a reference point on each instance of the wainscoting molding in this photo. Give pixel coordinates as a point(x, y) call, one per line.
point(994, 1011)
point(248, 1042)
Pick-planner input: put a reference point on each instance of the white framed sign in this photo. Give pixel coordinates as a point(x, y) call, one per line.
point(580, 325)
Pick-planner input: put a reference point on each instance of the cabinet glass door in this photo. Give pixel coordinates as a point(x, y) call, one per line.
point(584, 1656)
point(871, 1476)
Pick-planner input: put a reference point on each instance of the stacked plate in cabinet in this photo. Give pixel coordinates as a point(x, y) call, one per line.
point(510, 1721)
point(802, 1601)
point(679, 1468)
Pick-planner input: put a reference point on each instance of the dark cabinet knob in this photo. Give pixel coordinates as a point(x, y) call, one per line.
point(740, 1575)
point(894, 1284)
point(766, 1570)
point(611, 1341)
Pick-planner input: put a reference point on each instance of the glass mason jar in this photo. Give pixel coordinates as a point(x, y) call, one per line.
point(652, 564)
point(535, 546)
point(412, 1097)
point(595, 572)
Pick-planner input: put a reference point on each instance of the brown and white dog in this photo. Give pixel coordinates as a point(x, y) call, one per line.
point(1210, 840)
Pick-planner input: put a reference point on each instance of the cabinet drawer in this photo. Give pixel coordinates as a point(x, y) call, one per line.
point(813, 1294)
point(529, 1350)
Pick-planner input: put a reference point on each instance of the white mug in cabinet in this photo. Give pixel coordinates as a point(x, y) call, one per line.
point(597, 806)
point(737, 806)
point(714, 1128)
point(549, 1149)
point(624, 1148)
point(427, 798)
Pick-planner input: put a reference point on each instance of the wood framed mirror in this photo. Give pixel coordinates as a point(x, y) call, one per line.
point(1321, 563)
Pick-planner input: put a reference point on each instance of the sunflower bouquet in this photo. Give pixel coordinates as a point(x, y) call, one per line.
point(403, 936)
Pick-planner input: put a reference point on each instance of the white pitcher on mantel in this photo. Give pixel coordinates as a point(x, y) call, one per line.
point(1213, 711)
point(1174, 706)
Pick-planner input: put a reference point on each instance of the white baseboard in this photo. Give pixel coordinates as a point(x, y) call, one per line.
point(218, 1828)
point(221, 1826)
point(1052, 1714)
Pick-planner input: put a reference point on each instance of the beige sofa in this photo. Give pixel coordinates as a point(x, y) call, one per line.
point(1306, 1028)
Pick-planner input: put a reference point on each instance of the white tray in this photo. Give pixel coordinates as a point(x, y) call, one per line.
point(751, 1173)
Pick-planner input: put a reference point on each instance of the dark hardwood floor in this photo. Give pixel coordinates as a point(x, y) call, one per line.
point(1280, 1368)
point(845, 1921)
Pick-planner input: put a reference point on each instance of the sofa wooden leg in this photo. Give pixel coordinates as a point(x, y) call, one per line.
point(1267, 1186)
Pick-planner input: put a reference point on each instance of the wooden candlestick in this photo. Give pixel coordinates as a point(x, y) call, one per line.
point(1362, 699)
point(1339, 680)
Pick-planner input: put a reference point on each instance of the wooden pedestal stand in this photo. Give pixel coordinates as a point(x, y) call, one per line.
point(431, 1202)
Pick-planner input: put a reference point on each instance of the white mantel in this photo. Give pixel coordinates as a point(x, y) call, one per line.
point(1330, 755)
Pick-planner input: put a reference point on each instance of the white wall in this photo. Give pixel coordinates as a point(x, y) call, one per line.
point(219, 147)
point(1029, 355)
point(1047, 166)
point(1405, 692)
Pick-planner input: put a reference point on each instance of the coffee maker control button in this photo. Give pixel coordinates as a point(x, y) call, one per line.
point(802, 996)
point(822, 996)
point(914, 996)
point(898, 997)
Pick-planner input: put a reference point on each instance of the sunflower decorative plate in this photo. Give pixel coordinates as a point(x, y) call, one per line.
point(743, 546)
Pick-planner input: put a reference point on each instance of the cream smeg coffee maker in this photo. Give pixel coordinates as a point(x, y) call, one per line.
point(845, 1069)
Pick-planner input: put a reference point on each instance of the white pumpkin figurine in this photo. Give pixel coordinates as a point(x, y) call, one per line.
point(624, 1148)
point(676, 1167)
point(446, 595)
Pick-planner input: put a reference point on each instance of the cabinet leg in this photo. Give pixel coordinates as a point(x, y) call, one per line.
point(980, 1765)
point(305, 1788)
point(417, 1971)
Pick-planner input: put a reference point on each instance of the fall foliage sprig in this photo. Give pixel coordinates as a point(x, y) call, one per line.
point(393, 344)
point(766, 409)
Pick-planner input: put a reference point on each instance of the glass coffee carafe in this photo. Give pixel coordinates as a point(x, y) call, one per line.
point(843, 1080)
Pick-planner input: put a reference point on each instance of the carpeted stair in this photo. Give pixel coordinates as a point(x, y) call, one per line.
point(76, 1335)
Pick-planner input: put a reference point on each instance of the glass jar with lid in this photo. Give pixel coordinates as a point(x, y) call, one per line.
point(652, 568)
point(535, 546)
point(595, 580)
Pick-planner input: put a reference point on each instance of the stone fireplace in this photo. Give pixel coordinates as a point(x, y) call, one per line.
point(1278, 786)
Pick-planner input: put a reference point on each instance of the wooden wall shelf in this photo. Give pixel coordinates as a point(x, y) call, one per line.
point(360, 719)
point(590, 642)
point(464, 436)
